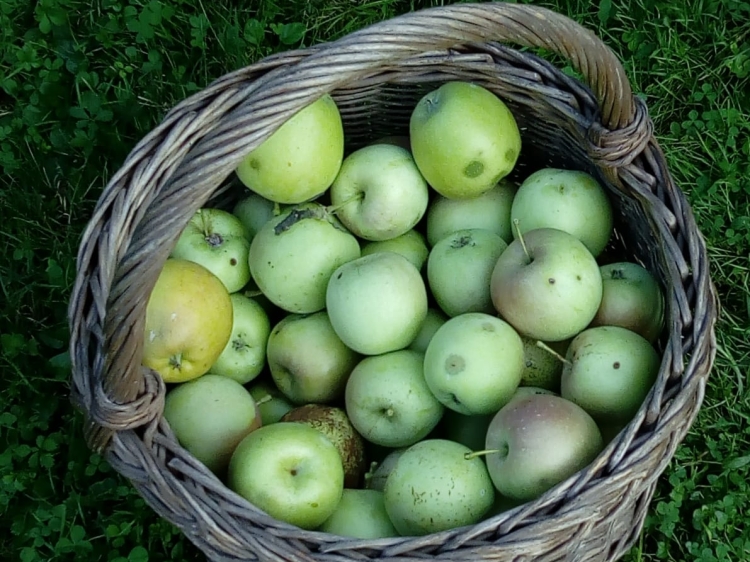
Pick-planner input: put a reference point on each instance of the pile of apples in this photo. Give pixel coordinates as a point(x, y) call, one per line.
point(401, 340)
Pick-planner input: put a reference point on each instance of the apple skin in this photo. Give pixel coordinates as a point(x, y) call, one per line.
point(377, 303)
point(293, 256)
point(388, 401)
point(411, 245)
point(361, 514)
point(464, 139)
point(554, 296)
point(610, 372)
point(379, 192)
point(210, 416)
point(432, 322)
point(459, 270)
point(632, 299)
point(473, 363)
point(334, 424)
point(188, 321)
point(489, 211)
point(541, 368)
point(308, 362)
point(377, 478)
point(435, 487)
point(244, 356)
point(300, 160)
point(289, 470)
point(272, 404)
point(568, 200)
point(543, 440)
point(217, 240)
point(254, 211)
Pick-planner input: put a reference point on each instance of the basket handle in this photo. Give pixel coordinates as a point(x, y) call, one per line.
point(173, 171)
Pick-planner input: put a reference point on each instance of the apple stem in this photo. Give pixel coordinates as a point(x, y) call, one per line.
point(516, 223)
point(484, 452)
point(356, 197)
point(548, 349)
point(266, 398)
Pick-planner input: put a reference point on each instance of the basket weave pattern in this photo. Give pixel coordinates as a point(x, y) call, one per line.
point(376, 76)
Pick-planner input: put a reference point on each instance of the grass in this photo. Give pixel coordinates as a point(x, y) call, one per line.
point(82, 81)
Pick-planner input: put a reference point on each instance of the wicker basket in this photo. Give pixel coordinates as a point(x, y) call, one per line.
point(376, 75)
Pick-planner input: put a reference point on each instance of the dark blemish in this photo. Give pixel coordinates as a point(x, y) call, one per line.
point(454, 364)
point(616, 365)
point(510, 155)
point(340, 275)
point(294, 217)
point(578, 277)
point(529, 363)
point(214, 239)
point(254, 164)
point(293, 472)
point(551, 281)
point(233, 262)
point(617, 274)
point(461, 241)
point(474, 169)
point(488, 327)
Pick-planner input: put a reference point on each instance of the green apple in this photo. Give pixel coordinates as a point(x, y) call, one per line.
point(334, 424)
point(396, 140)
point(188, 321)
point(535, 442)
point(216, 240)
point(632, 299)
point(289, 470)
point(437, 485)
point(411, 245)
point(376, 478)
point(473, 363)
point(547, 285)
point(568, 200)
point(300, 160)
point(360, 514)
point(464, 139)
point(543, 363)
point(244, 356)
point(294, 254)
point(388, 401)
point(308, 361)
point(377, 303)
point(459, 270)
point(210, 416)
point(272, 404)
point(254, 211)
point(489, 211)
point(432, 322)
point(470, 431)
point(379, 193)
point(609, 373)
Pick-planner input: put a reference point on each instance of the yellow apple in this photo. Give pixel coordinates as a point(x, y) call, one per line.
point(188, 321)
point(301, 159)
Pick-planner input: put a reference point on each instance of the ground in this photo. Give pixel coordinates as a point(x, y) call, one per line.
point(82, 81)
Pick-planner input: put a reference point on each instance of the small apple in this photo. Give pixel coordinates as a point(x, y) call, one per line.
point(543, 363)
point(188, 321)
point(432, 322)
point(375, 479)
point(609, 373)
point(473, 363)
point(272, 404)
point(437, 485)
point(244, 356)
point(334, 424)
point(464, 139)
point(489, 211)
point(254, 211)
point(536, 442)
point(360, 514)
point(294, 254)
point(210, 416)
point(411, 245)
point(308, 362)
point(379, 193)
point(459, 270)
point(568, 200)
point(289, 470)
point(632, 299)
point(216, 240)
point(300, 160)
point(377, 303)
point(388, 401)
point(547, 285)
